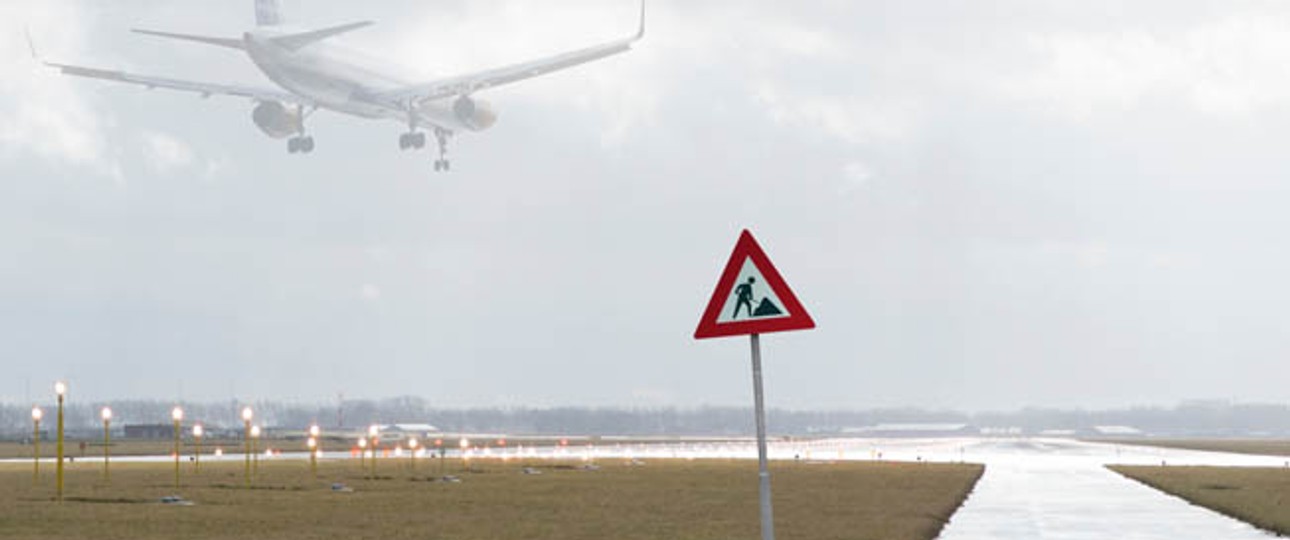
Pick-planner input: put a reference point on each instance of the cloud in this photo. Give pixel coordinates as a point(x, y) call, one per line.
point(41, 113)
point(1230, 67)
point(165, 154)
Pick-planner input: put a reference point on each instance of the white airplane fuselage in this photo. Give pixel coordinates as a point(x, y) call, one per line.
point(342, 79)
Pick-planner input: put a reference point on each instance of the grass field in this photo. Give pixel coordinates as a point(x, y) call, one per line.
point(658, 500)
point(1266, 447)
point(1259, 496)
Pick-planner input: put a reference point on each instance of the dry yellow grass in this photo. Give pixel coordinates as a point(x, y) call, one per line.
point(1258, 496)
point(660, 500)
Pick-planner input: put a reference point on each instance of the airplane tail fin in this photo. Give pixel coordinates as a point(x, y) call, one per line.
point(268, 13)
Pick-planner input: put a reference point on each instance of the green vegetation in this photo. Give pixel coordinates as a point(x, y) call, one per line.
point(1264, 447)
point(658, 500)
point(1257, 496)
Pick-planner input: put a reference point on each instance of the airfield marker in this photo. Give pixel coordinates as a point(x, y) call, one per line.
point(362, 454)
point(255, 450)
point(177, 414)
point(198, 431)
point(36, 415)
point(314, 432)
point(107, 443)
point(247, 414)
point(778, 311)
point(374, 432)
point(412, 453)
point(312, 443)
point(60, 388)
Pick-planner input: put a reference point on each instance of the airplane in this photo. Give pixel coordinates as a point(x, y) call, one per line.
point(313, 74)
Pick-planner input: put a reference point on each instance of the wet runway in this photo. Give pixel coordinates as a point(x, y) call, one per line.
point(1055, 489)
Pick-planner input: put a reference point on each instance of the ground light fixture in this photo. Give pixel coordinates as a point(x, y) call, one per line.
point(198, 433)
point(374, 433)
point(36, 415)
point(312, 443)
point(255, 449)
point(177, 415)
point(362, 454)
point(247, 415)
point(412, 453)
point(60, 388)
point(106, 415)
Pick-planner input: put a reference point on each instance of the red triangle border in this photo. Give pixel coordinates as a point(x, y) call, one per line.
point(747, 248)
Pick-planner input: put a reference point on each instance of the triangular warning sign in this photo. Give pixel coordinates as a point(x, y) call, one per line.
point(751, 297)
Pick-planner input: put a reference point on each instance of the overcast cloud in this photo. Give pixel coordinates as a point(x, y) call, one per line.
point(987, 204)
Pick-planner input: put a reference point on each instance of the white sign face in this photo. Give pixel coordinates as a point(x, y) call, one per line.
point(751, 299)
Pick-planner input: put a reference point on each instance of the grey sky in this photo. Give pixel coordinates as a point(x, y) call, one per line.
point(986, 204)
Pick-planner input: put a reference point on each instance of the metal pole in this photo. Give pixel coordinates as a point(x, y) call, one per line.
point(35, 479)
point(246, 436)
point(59, 465)
point(767, 515)
point(197, 457)
point(107, 452)
point(177, 427)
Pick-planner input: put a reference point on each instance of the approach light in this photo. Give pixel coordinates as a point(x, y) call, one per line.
point(247, 414)
point(60, 388)
point(314, 430)
point(373, 430)
point(412, 443)
point(362, 443)
point(177, 414)
point(313, 443)
point(37, 414)
point(198, 431)
point(465, 443)
point(255, 431)
point(106, 414)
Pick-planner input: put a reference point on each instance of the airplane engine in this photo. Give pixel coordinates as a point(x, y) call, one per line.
point(476, 114)
point(276, 120)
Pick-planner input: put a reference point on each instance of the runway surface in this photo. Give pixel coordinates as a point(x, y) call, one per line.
point(1055, 489)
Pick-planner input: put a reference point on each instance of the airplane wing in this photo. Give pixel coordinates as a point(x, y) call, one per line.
point(467, 84)
point(205, 89)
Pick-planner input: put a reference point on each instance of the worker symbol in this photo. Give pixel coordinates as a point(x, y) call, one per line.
point(744, 299)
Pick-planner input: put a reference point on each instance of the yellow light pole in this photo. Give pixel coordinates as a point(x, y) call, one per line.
point(374, 432)
point(106, 414)
point(362, 455)
point(247, 415)
point(60, 388)
point(465, 443)
point(198, 432)
point(255, 449)
point(412, 453)
point(36, 415)
point(314, 432)
point(177, 414)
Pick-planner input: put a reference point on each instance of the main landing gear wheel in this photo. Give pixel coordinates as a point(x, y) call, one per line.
point(442, 165)
point(412, 141)
point(300, 145)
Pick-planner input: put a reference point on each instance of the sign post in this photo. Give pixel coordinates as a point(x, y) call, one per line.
point(749, 273)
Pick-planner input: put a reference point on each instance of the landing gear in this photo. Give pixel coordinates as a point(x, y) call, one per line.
point(412, 141)
point(442, 164)
point(300, 145)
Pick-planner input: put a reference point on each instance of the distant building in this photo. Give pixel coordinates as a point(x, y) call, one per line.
point(910, 430)
point(1119, 431)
